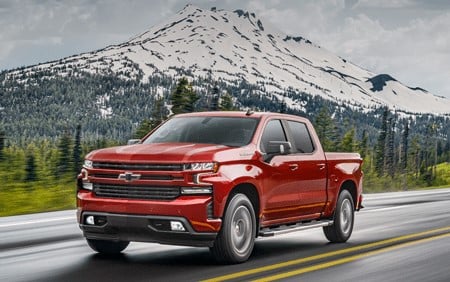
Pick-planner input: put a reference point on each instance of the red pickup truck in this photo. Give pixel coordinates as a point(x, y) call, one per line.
point(218, 179)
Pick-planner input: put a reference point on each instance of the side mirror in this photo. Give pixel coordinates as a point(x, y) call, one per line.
point(279, 147)
point(276, 148)
point(133, 141)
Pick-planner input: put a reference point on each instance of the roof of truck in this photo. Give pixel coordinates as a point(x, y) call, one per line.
point(236, 114)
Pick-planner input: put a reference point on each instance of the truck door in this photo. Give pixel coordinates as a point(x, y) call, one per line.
point(280, 188)
point(311, 170)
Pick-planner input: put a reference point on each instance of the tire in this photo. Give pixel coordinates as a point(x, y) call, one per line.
point(344, 217)
point(107, 247)
point(235, 241)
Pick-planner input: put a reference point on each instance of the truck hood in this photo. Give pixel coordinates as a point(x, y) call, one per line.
point(159, 153)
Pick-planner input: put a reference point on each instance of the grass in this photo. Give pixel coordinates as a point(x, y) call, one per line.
point(38, 196)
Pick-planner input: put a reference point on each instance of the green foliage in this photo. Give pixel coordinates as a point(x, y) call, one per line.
point(348, 143)
point(363, 145)
point(283, 107)
point(64, 160)
point(381, 144)
point(159, 113)
point(326, 130)
point(77, 158)
point(183, 98)
point(226, 103)
point(144, 127)
point(30, 168)
point(28, 182)
point(214, 105)
point(2, 143)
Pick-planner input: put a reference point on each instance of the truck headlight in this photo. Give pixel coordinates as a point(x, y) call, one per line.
point(88, 164)
point(210, 166)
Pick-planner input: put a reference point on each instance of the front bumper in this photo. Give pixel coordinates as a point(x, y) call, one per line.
point(143, 228)
point(147, 220)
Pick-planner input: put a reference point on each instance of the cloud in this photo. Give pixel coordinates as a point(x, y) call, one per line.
point(415, 53)
point(383, 3)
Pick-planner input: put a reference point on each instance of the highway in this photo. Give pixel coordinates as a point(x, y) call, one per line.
point(401, 236)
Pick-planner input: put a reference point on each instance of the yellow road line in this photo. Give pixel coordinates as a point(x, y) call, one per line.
point(322, 256)
point(347, 259)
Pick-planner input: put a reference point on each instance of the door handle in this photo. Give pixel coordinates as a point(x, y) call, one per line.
point(293, 167)
point(321, 166)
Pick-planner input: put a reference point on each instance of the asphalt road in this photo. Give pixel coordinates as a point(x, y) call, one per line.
point(397, 237)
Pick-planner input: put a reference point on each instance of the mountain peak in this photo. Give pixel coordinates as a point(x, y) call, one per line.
point(236, 46)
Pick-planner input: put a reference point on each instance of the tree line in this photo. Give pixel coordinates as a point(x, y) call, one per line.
point(393, 146)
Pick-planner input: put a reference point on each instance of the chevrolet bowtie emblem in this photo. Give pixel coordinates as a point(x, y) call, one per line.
point(129, 176)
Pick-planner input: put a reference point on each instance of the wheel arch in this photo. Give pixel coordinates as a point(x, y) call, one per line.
point(351, 187)
point(252, 194)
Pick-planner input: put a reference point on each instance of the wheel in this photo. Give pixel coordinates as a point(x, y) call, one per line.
point(107, 247)
point(343, 220)
point(236, 239)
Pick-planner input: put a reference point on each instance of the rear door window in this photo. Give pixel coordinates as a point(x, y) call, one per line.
point(301, 136)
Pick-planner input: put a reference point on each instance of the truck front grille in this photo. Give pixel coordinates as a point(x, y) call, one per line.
point(135, 166)
point(144, 192)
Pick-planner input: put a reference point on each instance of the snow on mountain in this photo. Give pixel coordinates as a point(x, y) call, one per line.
point(235, 46)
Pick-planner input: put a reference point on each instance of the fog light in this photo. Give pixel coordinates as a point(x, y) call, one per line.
point(87, 185)
point(176, 226)
point(90, 220)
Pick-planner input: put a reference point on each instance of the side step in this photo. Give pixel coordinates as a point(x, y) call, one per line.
point(284, 229)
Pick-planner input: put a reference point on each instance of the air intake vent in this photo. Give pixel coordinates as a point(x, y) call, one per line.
point(136, 192)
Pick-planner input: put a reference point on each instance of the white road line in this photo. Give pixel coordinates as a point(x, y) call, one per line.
point(392, 195)
point(37, 221)
point(385, 209)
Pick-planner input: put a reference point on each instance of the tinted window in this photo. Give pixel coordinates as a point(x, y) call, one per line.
point(273, 132)
point(302, 138)
point(229, 131)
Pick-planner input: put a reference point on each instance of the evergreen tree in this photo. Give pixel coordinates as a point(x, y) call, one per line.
point(283, 107)
point(183, 98)
point(326, 130)
point(158, 113)
point(381, 144)
point(77, 158)
point(363, 146)
point(404, 157)
point(64, 160)
point(348, 143)
point(390, 150)
point(415, 156)
point(226, 103)
point(144, 127)
point(215, 93)
point(30, 167)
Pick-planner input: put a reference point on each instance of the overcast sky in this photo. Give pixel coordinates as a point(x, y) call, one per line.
point(408, 39)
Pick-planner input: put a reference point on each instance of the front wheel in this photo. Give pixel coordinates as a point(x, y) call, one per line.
point(343, 221)
point(236, 239)
point(107, 247)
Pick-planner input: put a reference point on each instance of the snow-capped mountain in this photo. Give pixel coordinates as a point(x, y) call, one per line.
point(236, 46)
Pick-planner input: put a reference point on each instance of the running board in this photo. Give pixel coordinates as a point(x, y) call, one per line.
point(284, 229)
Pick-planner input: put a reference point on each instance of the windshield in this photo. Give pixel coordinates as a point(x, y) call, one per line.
point(229, 131)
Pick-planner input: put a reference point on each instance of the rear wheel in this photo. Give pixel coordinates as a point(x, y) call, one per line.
point(236, 239)
point(343, 221)
point(107, 247)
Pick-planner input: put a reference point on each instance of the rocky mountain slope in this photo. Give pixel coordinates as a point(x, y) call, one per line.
point(237, 46)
